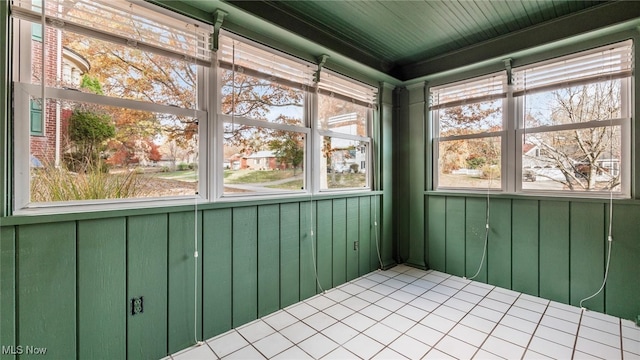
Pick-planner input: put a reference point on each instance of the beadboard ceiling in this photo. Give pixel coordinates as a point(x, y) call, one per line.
point(401, 37)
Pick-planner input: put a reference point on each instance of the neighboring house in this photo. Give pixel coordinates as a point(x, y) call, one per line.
point(261, 160)
point(534, 158)
point(64, 68)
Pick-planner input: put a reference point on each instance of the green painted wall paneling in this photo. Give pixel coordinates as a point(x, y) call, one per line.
point(5, 123)
point(384, 252)
point(499, 247)
point(455, 241)
point(416, 171)
point(623, 289)
point(308, 286)
point(217, 271)
point(587, 249)
point(182, 238)
point(324, 242)
point(385, 206)
point(245, 265)
point(437, 232)
point(353, 225)
point(8, 288)
point(475, 224)
point(554, 250)
point(46, 288)
point(339, 242)
point(401, 195)
point(367, 245)
point(525, 247)
point(289, 254)
point(147, 269)
point(101, 287)
point(268, 259)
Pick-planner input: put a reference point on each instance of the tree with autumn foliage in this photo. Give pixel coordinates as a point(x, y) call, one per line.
point(264, 100)
point(130, 73)
point(579, 154)
point(481, 153)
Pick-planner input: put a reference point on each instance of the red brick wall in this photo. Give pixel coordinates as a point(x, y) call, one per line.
point(43, 147)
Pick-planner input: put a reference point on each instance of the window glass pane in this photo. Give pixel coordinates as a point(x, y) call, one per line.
point(262, 160)
point(35, 117)
point(577, 104)
point(343, 163)
point(470, 118)
point(470, 163)
point(575, 160)
point(105, 68)
point(341, 116)
point(261, 99)
point(106, 153)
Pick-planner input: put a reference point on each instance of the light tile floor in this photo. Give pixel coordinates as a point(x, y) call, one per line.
point(406, 313)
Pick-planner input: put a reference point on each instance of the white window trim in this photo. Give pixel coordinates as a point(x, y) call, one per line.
point(210, 127)
point(24, 89)
point(514, 130)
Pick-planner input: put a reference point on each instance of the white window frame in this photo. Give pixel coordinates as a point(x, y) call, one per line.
point(360, 94)
point(514, 129)
point(24, 89)
point(503, 134)
point(221, 119)
point(210, 120)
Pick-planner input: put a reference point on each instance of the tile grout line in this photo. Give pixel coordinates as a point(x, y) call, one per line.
point(621, 340)
point(403, 280)
point(495, 326)
point(458, 322)
point(390, 312)
point(575, 343)
point(526, 348)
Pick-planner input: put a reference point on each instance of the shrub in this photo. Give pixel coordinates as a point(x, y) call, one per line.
point(54, 184)
point(490, 172)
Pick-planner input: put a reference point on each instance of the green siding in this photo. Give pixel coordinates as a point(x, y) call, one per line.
point(217, 277)
point(289, 254)
point(46, 306)
point(147, 250)
point(367, 240)
point(101, 285)
point(621, 296)
point(377, 249)
point(554, 250)
point(324, 240)
point(245, 265)
point(268, 259)
point(499, 247)
point(525, 247)
point(437, 233)
point(182, 311)
point(588, 241)
point(308, 287)
point(455, 249)
point(339, 242)
point(7, 288)
point(352, 237)
point(476, 220)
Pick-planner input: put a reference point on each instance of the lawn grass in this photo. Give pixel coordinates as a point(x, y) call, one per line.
point(290, 185)
point(187, 175)
point(258, 176)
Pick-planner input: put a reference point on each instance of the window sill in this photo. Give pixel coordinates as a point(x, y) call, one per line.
point(599, 198)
